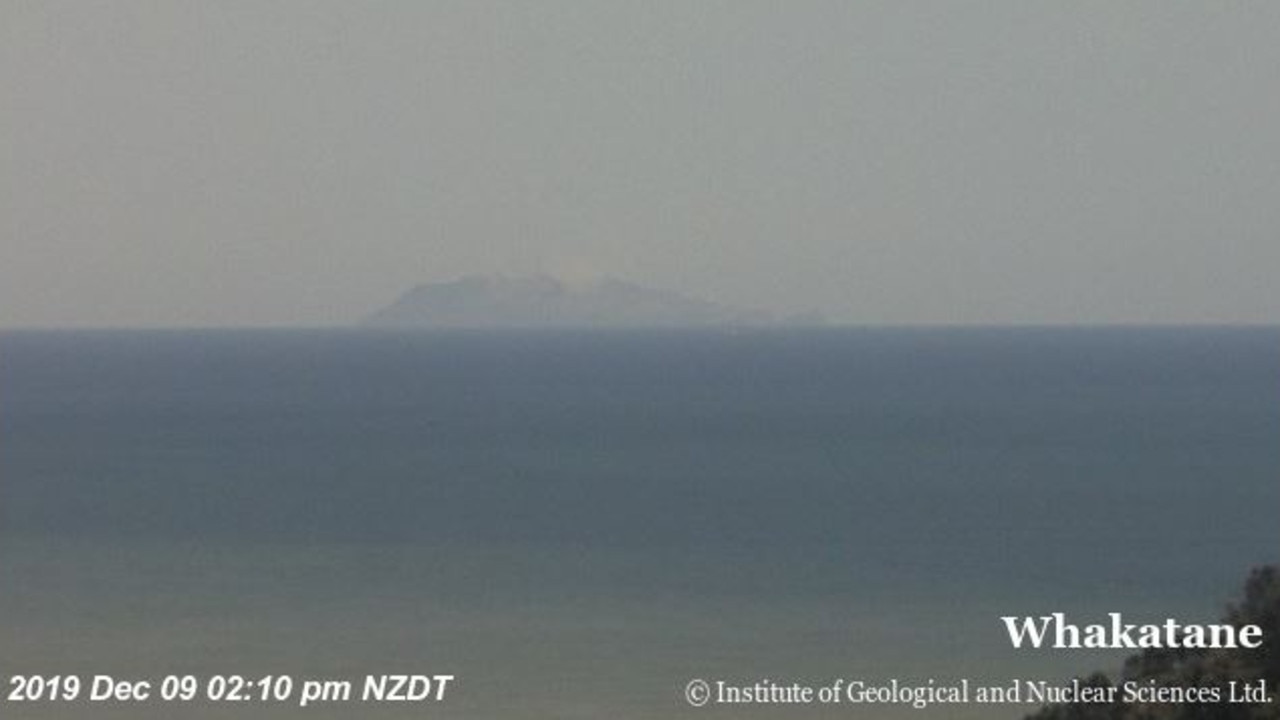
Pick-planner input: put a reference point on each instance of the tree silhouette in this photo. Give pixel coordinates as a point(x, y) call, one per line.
point(1183, 667)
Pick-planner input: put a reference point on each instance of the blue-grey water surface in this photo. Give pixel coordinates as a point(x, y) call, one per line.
point(576, 524)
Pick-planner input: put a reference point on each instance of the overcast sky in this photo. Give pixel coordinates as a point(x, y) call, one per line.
point(297, 163)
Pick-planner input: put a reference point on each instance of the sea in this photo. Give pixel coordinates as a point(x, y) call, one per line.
point(580, 524)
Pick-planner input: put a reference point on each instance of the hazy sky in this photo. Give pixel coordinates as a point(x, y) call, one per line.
point(278, 163)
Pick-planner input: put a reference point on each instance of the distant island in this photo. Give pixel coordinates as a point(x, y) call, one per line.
point(541, 301)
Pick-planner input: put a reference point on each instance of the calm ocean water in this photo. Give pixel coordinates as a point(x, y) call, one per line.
point(577, 524)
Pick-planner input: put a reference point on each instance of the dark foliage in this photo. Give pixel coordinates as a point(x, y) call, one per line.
point(1260, 605)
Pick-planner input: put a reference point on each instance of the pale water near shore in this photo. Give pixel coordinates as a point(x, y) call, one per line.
point(577, 524)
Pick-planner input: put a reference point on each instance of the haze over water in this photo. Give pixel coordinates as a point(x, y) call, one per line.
point(576, 524)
